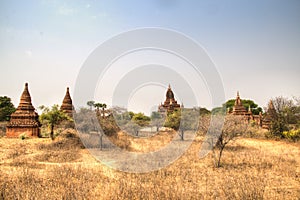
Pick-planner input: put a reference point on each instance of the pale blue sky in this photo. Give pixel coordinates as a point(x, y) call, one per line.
point(254, 44)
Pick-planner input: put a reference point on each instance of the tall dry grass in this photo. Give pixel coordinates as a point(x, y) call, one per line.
point(251, 169)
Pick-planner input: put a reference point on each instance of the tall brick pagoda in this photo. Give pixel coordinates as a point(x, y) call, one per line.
point(170, 103)
point(67, 105)
point(24, 120)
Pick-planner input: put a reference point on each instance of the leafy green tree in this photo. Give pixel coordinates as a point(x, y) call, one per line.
point(136, 122)
point(204, 111)
point(53, 117)
point(6, 108)
point(173, 119)
point(141, 120)
point(131, 114)
point(183, 120)
point(219, 110)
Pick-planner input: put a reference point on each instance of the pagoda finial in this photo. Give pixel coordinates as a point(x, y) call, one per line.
point(249, 109)
point(169, 86)
point(238, 99)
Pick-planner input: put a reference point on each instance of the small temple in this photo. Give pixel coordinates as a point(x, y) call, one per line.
point(170, 103)
point(239, 109)
point(269, 115)
point(24, 120)
point(67, 105)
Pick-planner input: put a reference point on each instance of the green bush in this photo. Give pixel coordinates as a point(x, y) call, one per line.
point(23, 136)
point(293, 135)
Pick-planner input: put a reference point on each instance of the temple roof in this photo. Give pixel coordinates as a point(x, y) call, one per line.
point(25, 115)
point(170, 103)
point(25, 100)
point(67, 105)
point(169, 94)
point(238, 108)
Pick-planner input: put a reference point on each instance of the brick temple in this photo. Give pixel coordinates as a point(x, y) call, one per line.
point(170, 103)
point(24, 120)
point(239, 109)
point(67, 105)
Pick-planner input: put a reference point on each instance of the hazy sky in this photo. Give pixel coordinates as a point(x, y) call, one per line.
point(254, 44)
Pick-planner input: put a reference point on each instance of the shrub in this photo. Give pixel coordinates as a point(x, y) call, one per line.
point(293, 135)
point(23, 136)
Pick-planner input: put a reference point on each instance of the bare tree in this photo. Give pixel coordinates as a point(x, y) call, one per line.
point(219, 130)
point(233, 127)
point(157, 120)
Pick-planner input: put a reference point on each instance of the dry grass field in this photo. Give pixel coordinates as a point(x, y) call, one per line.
point(62, 169)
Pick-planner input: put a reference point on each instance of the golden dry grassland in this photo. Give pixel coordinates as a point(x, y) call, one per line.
point(63, 169)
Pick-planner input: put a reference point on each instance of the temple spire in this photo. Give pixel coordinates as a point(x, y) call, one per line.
point(25, 100)
point(271, 105)
point(238, 108)
point(67, 105)
point(249, 109)
point(238, 99)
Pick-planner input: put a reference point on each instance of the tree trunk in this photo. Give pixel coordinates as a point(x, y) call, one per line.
point(101, 142)
point(220, 155)
point(52, 132)
point(181, 135)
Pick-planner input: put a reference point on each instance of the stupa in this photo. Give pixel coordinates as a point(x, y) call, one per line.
point(24, 120)
point(67, 105)
point(238, 108)
point(170, 103)
point(270, 115)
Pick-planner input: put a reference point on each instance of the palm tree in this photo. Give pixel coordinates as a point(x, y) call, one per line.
point(103, 105)
point(97, 106)
point(91, 104)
